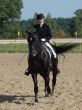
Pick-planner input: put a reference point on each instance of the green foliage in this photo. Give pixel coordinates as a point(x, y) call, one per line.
point(60, 34)
point(26, 25)
point(78, 13)
point(9, 30)
point(10, 9)
point(60, 27)
point(63, 24)
point(73, 26)
point(51, 22)
point(80, 31)
point(10, 24)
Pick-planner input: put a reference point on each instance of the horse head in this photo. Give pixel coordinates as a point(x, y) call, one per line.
point(34, 42)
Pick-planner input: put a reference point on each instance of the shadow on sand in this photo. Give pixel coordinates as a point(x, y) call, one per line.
point(17, 99)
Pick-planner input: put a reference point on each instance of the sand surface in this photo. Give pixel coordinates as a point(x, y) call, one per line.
point(16, 89)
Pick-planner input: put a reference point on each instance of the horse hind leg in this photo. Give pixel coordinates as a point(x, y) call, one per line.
point(54, 72)
point(55, 63)
point(47, 87)
point(46, 81)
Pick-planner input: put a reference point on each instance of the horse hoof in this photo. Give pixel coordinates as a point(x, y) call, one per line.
point(52, 93)
point(58, 71)
point(49, 91)
point(46, 95)
point(36, 101)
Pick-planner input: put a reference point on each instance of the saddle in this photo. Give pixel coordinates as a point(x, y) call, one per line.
point(48, 50)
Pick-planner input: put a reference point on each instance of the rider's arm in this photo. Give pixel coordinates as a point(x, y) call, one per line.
point(49, 33)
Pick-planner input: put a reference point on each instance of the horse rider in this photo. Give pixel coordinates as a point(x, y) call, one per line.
point(44, 32)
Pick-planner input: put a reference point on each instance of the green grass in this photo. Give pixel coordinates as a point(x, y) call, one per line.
point(13, 48)
point(23, 48)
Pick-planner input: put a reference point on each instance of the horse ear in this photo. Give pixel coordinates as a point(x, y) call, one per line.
point(34, 30)
point(28, 31)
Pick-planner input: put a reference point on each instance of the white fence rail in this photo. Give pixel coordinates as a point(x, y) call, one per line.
point(24, 41)
point(13, 41)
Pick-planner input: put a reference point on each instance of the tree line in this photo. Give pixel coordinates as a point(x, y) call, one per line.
point(12, 27)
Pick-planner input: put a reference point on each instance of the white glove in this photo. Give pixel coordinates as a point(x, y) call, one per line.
point(43, 39)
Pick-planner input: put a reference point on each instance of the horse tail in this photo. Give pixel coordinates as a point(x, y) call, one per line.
point(63, 48)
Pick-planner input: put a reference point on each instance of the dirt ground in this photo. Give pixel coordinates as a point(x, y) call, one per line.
point(16, 89)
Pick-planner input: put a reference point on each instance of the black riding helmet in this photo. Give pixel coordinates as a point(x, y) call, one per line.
point(40, 16)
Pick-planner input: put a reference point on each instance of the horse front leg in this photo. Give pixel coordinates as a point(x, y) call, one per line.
point(34, 77)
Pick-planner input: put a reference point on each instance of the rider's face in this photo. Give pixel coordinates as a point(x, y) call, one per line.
point(40, 21)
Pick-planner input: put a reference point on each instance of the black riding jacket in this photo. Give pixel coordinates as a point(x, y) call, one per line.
point(44, 31)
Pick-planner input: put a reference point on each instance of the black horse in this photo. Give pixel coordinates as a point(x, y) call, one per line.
point(41, 61)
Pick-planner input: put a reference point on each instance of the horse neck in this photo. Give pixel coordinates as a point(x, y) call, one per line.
point(44, 52)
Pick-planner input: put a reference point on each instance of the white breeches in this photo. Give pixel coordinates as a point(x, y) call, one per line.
point(47, 44)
